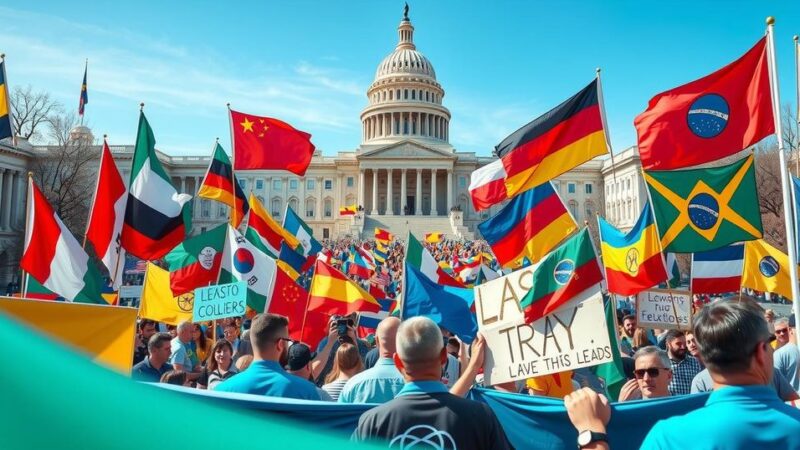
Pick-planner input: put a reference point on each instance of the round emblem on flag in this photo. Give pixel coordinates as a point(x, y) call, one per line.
point(186, 301)
point(768, 266)
point(206, 258)
point(704, 211)
point(243, 260)
point(563, 271)
point(632, 261)
point(708, 116)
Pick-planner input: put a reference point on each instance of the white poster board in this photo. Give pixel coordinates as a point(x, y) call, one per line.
point(664, 309)
point(572, 337)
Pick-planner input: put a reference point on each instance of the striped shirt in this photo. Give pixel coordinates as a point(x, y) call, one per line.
point(334, 388)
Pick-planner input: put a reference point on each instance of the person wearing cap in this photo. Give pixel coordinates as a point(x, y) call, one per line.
point(383, 381)
point(786, 357)
point(298, 363)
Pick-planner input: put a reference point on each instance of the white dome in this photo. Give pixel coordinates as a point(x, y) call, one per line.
point(405, 61)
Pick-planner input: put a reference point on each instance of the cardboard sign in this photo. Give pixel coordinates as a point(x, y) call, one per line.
point(572, 337)
point(220, 301)
point(664, 309)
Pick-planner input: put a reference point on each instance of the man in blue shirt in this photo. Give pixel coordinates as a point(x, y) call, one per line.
point(155, 364)
point(383, 381)
point(269, 336)
point(786, 357)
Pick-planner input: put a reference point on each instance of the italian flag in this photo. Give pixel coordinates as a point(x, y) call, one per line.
point(54, 257)
point(195, 262)
point(242, 260)
point(419, 257)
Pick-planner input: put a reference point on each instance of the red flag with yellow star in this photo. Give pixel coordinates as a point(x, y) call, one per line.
point(290, 299)
point(266, 143)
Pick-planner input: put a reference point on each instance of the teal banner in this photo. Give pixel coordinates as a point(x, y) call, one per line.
point(219, 301)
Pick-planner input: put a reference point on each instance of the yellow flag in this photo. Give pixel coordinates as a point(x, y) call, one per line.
point(105, 333)
point(766, 269)
point(157, 302)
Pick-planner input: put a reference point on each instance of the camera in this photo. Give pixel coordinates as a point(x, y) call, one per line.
point(342, 324)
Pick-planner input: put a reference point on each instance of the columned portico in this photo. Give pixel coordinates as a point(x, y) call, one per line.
point(418, 206)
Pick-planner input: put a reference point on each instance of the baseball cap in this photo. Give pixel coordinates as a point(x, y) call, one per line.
point(299, 356)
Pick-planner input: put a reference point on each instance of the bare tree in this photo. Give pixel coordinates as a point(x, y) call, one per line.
point(32, 110)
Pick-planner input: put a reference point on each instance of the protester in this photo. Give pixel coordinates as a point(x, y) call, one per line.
point(781, 332)
point(176, 377)
point(147, 328)
point(182, 357)
point(769, 316)
point(326, 350)
point(241, 347)
point(269, 337)
point(640, 339)
point(200, 344)
point(691, 347)
point(628, 328)
point(787, 357)
point(298, 363)
point(684, 365)
point(219, 366)
point(346, 364)
point(653, 372)
point(153, 366)
point(423, 411)
point(383, 381)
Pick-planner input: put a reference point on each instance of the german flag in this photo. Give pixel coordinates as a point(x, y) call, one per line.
point(6, 131)
point(333, 293)
point(217, 186)
point(556, 142)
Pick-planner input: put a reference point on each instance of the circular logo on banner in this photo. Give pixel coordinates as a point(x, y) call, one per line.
point(632, 261)
point(769, 267)
point(704, 211)
point(206, 257)
point(186, 301)
point(243, 260)
point(708, 116)
point(563, 271)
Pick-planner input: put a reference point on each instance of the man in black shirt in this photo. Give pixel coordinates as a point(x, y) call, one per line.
point(147, 328)
point(424, 412)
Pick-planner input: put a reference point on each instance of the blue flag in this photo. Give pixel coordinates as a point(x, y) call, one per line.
point(293, 259)
point(295, 225)
point(448, 306)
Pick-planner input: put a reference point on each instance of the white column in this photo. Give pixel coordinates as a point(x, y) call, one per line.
point(198, 204)
point(3, 193)
point(268, 195)
point(320, 214)
point(374, 192)
point(403, 192)
point(418, 198)
point(9, 199)
point(338, 199)
point(183, 185)
point(361, 190)
point(449, 190)
point(389, 193)
point(285, 182)
point(434, 204)
point(302, 201)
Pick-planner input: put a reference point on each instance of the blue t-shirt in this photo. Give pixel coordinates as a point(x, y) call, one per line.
point(144, 371)
point(785, 361)
point(734, 417)
point(379, 384)
point(269, 378)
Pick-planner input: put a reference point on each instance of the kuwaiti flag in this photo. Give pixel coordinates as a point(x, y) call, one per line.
point(243, 261)
point(154, 217)
point(295, 225)
point(104, 230)
point(54, 257)
point(420, 258)
point(718, 271)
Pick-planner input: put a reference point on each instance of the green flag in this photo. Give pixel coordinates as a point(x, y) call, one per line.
point(674, 271)
point(612, 372)
point(195, 262)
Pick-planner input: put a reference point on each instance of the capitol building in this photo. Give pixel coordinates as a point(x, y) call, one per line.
point(404, 173)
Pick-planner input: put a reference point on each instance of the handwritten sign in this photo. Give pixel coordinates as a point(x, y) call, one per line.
point(572, 337)
point(664, 309)
point(220, 301)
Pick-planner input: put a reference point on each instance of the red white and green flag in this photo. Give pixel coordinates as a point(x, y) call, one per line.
point(195, 262)
point(419, 257)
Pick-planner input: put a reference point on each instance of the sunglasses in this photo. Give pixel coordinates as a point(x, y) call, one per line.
point(785, 330)
point(652, 371)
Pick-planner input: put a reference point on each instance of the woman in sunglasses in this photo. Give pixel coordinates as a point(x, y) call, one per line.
point(653, 372)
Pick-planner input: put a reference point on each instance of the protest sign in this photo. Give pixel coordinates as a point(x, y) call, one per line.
point(220, 301)
point(572, 337)
point(664, 309)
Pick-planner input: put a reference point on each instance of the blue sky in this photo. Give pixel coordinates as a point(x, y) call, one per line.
point(309, 63)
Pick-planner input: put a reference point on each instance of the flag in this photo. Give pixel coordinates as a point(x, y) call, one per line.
point(84, 100)
point(35, 290)
point(485, 274)
point(333, 293)
point(243, 261)
point(433, 238)
point(766, 269)
point(710, 118)
point(559, 140)
point(702, 209)
point(359, 267)
point(218, 185)
point(266, 143)
point(633, 261)
point(325, 256)
point(796, 195)
point(348, 210)
point(157, 301)
point(54, 257)
point(107, 214)
point(469, 270)
point(299, 229)
point(366, 255)
point(291, 261)
point(718, 271)
point(195, 262)
point(6, 128)
point(612, 372)
point(155, 220)
point(673, 270)
point(289, 299)
point(487, 185)
point(383, 236)
point(530, 225)
point(566, 272)
point(380, 252)
point(269, 232)
point(419, 257)
point(448, 306)
point(370, 320)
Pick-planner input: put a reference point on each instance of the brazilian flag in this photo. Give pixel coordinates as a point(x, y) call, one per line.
point(697, 210)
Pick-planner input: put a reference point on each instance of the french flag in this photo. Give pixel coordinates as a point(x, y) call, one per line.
point(718, 271)
point(487, 185)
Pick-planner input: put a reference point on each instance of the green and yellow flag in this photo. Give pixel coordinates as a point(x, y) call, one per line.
point(766, 269)
point(698, 210)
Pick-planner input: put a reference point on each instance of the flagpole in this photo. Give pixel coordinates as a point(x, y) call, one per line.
point(785, 182)
point(8, 101)
point(797, 104)
point(605, 124)
point(233, 163)
point(24, 284)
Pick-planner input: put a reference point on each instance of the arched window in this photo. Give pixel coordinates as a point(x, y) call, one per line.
point(277, 207)
point(413, 95)
point(588, 206)
point(311, 207)
point(405, 95)
point(328, 207)
point(391, 95)
point(293, 204)
point(573, 209)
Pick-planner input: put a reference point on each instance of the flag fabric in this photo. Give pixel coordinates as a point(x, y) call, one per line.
point(300, 230)
point(383, 236)
point(84, 100)
point(796, 198)
point(612, 372)
point(270, 232)
point(485, 274)
point(673, 271)
point(448, 306)
point(469, 269)
point(487, 185)
point(325, 256)
point(363, 250)
point(157, 301)
point(291, 261)
point(530, 225)
point(433, 238)
point(155, 218)
point(6, 128)
point(359, 267)
point(559, 140)
point(266, 143)
point(766, 269)
point(566, 272)
point(107, 214)
point(710, 118)
point(348, 210)
point(218, 185)
point(370, 320)
point(54, 257)
point(380, 252)
point(419, 257)
point(243, 261)
point(289, 299)
point(195, 262)
point(718, 271)
point(632, 260)
point(702, 209)
point(34, 290)
point(333, 293)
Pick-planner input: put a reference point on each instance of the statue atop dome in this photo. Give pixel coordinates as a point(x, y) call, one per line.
point(405, 12)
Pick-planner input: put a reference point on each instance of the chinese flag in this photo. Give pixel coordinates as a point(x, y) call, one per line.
point(290, 299)
point(265, 143)
point(708, 119)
